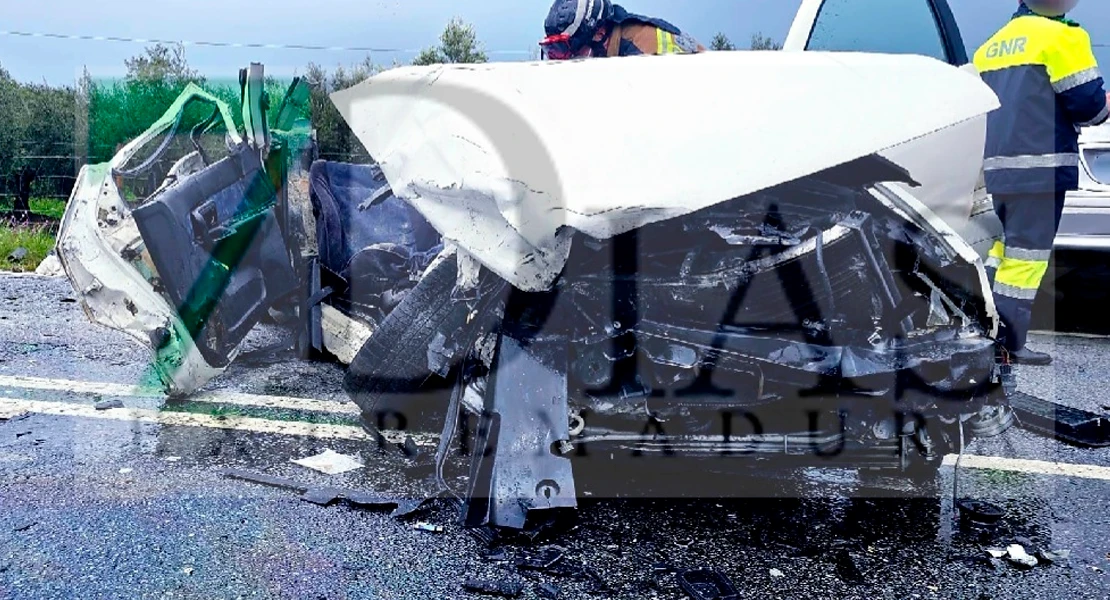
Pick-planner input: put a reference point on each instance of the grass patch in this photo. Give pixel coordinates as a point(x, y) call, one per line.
point(37, 239)
point(47, 207)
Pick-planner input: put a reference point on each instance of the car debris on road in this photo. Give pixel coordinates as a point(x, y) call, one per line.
point(324, 495)
point(707, 584)
point(108, 404)
point(506, 589)
point(329, 462)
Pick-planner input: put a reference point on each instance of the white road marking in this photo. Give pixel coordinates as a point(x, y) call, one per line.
point(69, 409)
point(135, 391)
point(1035, 467)
point(10, 407)
point(1070, 334)
point(8, 412)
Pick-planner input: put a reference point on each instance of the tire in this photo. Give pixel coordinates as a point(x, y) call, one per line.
point(389, 379)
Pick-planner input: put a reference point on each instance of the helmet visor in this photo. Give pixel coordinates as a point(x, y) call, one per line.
point(562, 47)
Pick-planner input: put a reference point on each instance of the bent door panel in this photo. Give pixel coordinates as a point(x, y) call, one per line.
point(220, 254)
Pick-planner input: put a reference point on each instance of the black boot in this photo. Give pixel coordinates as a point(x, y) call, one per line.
point(1025, 356)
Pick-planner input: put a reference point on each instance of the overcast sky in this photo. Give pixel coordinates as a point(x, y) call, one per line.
point(508, 29)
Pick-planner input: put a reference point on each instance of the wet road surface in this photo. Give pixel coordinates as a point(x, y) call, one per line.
point(132, 502)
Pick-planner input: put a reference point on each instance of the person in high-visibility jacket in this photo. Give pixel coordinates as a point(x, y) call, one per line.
point(599, 28)
point(1043, 70)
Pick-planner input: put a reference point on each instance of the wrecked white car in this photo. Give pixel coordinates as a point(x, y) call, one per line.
point(704, 284)
point(794, 307)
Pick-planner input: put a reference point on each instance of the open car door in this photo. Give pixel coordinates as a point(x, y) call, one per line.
point(188, 249)
point(948, 164)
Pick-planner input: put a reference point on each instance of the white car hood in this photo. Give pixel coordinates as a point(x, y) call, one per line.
point(503, 158)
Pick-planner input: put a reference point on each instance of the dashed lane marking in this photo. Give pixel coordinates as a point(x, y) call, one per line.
point(134, 391)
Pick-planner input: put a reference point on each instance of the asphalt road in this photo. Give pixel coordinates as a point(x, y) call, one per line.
point(102, 507)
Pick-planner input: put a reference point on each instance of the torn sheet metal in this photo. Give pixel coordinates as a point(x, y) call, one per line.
point(492, 154)
point(97, 233)
point(112, 291)
point(513, 470)
point(907, 205)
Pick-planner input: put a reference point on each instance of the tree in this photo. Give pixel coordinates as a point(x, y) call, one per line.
point(721, 42)
point(120, 110)
point(762, 42)
point(161, 64)
point(36, 139)
point(457, 44)
point(334, 137)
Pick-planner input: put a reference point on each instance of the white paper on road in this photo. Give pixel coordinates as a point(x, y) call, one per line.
point(330, 462)
point(503, 158)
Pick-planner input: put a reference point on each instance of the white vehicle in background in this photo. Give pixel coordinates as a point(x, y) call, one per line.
point(1086, 221)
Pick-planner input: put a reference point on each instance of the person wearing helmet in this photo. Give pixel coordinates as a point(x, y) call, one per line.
point(599, 28)
point(1043, 70)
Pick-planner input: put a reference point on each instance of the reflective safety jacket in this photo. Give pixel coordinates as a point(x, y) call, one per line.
point(1048, 83)
point(636, 34)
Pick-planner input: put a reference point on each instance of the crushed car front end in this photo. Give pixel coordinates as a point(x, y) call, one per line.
point(710, 285)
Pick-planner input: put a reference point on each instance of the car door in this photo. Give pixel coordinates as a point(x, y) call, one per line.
point(925, 27)
point(219, 238)
point(948, 163)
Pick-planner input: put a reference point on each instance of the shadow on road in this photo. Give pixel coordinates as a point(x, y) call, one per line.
point(1074, 295)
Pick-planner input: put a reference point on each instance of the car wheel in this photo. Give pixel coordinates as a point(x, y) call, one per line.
point(390, 378)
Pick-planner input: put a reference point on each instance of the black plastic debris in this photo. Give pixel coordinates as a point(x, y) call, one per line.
point(497, 555)
point(547, 590)
point(976, 514)
point(505, 589)
point(575, 570)
point(707, 584)
point(846, 568)
point(324, 496)
point(409, 447)
point(1069, 425)
point(541, 559)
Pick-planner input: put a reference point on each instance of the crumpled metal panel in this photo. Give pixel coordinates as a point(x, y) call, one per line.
point(515, 470)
